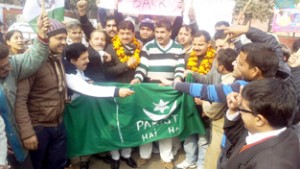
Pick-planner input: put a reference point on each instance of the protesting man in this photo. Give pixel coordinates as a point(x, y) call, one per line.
point(160, 58)
point(12, 69)
point(40, 103)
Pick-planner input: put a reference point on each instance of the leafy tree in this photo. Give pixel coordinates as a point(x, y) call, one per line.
point(258, 9)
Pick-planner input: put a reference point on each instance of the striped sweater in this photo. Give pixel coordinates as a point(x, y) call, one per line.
point(161, 63)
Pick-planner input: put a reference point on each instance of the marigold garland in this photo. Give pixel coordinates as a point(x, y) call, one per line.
point(205, 64)
point(120, 51)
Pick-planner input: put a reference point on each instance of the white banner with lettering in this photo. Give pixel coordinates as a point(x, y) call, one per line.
point(151, 7)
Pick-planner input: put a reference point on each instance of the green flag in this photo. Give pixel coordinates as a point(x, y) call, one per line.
point(153, 113)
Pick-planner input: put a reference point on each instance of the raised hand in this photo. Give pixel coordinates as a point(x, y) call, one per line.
point(235, 30)
point(43, 25)
point(82, 6)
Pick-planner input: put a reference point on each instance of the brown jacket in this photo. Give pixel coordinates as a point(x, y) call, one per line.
point(39, 101)
point(116, 71)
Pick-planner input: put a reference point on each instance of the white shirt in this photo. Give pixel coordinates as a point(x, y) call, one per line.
point(77, 82)
point(252, 138)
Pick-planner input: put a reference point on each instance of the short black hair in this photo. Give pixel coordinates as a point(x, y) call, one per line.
point(126, 25)
point(4, 51)
point(225, 57)
point(164, 22)
point(189, 28)
point(109, 18)
point(74, 51)
point(262, 56)
point(203, 33)
point(274, 99)
point(222, 23)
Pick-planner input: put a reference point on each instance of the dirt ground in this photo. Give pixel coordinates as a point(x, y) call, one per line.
point(154, 163)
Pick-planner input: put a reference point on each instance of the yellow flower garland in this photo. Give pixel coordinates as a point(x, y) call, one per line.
point(120, 51)
point(205, 64)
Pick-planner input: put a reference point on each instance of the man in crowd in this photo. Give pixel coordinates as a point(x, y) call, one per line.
point(146, 32)
point(160, 58)
point(12, 69)
point(125, 53)
point(110, 27)
point(185, 38)
point(268, 141)
point(40, 103)
point(75, 34)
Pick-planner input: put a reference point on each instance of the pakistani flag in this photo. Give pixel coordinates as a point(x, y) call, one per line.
point(33, 9)
point(152, 113)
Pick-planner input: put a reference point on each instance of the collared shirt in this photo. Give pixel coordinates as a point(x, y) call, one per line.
point(252, 138)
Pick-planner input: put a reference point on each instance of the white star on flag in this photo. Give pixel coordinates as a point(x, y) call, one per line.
point(161, 106)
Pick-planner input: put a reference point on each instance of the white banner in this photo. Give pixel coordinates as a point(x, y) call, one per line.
point(107, 4)
point(151, 7)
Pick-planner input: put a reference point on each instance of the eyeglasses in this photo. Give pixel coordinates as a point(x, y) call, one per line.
point(246, 111)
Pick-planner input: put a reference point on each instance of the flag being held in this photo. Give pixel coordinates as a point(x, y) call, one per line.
point(33, 9)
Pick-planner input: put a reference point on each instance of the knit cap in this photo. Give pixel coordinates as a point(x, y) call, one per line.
point(147, 23)
point(56, 27)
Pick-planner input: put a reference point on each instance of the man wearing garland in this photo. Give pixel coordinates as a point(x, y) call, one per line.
point(199, 61)
point(125, 57)
point(160, 58)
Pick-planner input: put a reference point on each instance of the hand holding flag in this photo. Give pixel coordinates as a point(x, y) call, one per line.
point(43, 25)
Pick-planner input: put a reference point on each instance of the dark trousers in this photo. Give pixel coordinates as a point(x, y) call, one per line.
point(51, 152)
point(12, 161)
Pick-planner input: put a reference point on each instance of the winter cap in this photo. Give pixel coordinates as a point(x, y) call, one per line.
point(147, 23)
point(56, 27)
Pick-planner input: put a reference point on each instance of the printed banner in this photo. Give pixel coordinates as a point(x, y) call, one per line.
point(286, 20)
point(151, 7)
point(153, 113)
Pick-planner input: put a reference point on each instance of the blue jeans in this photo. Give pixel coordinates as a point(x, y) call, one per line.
point(51, 152)
point(195, 148)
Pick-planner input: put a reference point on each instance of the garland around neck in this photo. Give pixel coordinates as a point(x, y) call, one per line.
point(120, 51)
point(205, 64)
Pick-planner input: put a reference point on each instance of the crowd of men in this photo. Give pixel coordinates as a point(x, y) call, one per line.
point(247, 94)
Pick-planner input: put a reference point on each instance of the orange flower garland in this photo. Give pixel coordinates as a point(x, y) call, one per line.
point(205, 64)
point(120, 51)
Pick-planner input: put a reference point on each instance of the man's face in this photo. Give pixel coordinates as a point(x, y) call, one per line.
point(57, 43)
point(5, 67)
point(75, 34)
point(162, 36)
point(82, 61)
point(97, 41)
point(146, 33)
point(200, 46)
point(220, 44)
point(126, 36)
point(242, 69)
point(111, 28)
point(16, 42)
point(247, 117)
point(184, 36)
